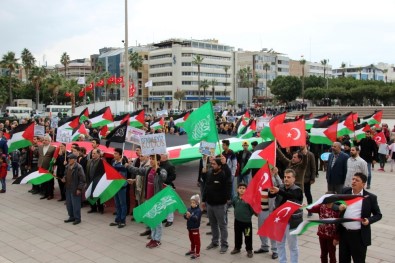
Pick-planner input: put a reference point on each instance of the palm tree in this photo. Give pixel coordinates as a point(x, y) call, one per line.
point(204, 85)
point(302, 62)
point(37, 76)
point(360, 73)
point(343, 66)
point(245, 75)
point(179, 95)
point(72, 87)
point(54, 82)
point(197, 60)
point(136, 62)
point(65, 61)
point(28, 61)
point(99, 66)
point(266, 67)
point(374, 71)
point(324, 62)
point(213, 83)
point(226, 68)
point(9, 62)
point(385, 71)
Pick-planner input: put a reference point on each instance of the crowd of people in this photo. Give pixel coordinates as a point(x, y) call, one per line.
point(222, 184)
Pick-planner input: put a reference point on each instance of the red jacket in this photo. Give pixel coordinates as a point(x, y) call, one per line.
point(3, 170)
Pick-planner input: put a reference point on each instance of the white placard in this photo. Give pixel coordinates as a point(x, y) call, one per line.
point(64, 135)
point(262, 122)
point(225, 113)
point(162, 113)
point(153, 144)
point(207, 148)
point(39, 130)
point(133, 135)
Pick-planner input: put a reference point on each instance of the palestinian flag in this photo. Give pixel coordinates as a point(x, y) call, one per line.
point(38, 177)
point(103, 132)
point(118, 120)
point(311, 121)
point(360, 129)
point(331, 198)
point(22, 136)
point(249, 130)
point(158, 124)
point(375, 118)
point(154, 210)
point(268, 131)
point(241, 125)
point(305, 225)
point(324, 132)
point(101, 117)
point(346, 124)
point(265, 154)
point(69, 123)
point(110, 183)
point(78, 131)
point(137, 119)
point(180, 119)
point(304, 116)
point(84, 115)
point(247, 115)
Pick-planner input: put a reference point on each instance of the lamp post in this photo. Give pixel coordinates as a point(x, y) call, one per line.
point(126, 59)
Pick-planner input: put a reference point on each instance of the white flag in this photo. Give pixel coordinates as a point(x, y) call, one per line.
point(148, 84)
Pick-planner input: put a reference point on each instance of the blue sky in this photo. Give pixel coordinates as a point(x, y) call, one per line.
point(354, 32)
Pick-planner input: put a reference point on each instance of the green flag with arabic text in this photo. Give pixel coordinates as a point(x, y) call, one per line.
point(153, 211)
point(201, 126)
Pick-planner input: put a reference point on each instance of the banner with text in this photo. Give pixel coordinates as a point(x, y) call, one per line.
point(153, 144)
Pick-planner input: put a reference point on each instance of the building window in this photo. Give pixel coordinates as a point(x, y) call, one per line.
point(161, 65)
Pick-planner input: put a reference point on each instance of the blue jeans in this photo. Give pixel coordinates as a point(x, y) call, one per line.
point(156, 233)
point(218, 221)
point(3, 187)
point(73, 203)
point(15, 169)
point(292, 245)
point(369, 173)
point(265, 240)
point(120, 204)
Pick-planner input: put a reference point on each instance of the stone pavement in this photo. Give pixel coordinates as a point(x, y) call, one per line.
point(32, 230)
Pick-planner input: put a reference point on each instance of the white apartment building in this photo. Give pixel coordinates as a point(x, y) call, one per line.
point(171, 68)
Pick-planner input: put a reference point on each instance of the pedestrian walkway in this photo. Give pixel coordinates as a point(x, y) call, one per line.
point(32, 230)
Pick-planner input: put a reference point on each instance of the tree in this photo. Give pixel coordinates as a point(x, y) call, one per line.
point(198, 60)
point(360, 73)
point(374, 71)
point(343, 66)
point(71, 86)
point(213, 82)
point(37, 76)
point(303, 63)
point(245, 79)
point(204, 85)
point(9, 62)
point(226, 68)
point(65, 61)
point(28, 61)
point(179, 95)
point(385, 71)
point(54, 82)
point(324, 62)
point(286, 88)
point(136, 62)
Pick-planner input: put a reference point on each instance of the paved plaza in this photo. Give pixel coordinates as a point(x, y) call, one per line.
point(32, 230)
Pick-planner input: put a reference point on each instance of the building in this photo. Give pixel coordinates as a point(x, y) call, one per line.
point(171, 69)
point(369, 72)
point(310, 69)
point(75, 69)
point(266, 65)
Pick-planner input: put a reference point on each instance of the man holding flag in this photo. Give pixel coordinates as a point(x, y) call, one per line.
point(288, 192)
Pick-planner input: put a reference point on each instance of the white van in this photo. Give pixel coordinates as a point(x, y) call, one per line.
point(54, 110)
point(19, 112)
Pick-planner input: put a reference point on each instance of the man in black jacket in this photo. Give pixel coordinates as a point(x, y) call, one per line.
point(216, 195)
point(289, 191)
point(242, 159)
point(368, 152)
point(355, 236)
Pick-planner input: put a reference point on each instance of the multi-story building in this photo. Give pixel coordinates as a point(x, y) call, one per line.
point(266, 65)
point(75, 69)
point(310, 69)
point(171, 69)
point(370, 72)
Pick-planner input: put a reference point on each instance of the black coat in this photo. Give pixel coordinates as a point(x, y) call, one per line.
point(337, 173)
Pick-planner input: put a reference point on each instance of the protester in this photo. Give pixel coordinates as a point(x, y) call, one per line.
point(3, 173)
point(193, 217)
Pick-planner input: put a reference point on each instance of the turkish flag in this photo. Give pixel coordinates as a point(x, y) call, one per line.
point(119, 80)
point(111, 80)
point(132, 90)
point(81, 93)
point(67, 94)
point(291, 133)
point(276, 120)
point(261, 180)
point(380, 138)
point(276, 223)
point(90, 87)
point(100, 83)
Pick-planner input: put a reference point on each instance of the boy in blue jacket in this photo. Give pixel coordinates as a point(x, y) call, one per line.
point(193, 217)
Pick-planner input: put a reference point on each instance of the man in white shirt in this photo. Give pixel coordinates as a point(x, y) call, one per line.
point(355, 164)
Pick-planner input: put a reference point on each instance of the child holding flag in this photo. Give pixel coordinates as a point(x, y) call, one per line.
point(327, 232)
point(243, 224)
point(193, 217)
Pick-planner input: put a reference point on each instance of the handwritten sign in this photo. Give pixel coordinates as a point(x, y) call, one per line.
point(133, 135)
point(153, 144)
point(64, 135)
point(162, 113)
point(207, 148)
point(39, 130)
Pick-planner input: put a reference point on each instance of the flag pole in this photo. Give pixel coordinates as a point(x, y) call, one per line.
point(94, 94)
